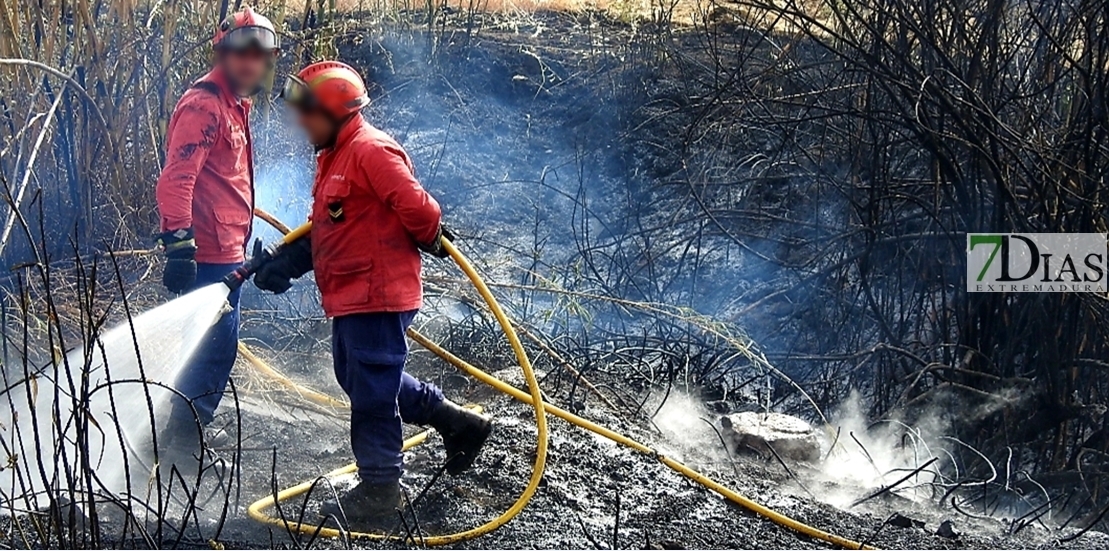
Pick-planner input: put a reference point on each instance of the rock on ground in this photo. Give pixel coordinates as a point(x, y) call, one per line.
point(791, 437)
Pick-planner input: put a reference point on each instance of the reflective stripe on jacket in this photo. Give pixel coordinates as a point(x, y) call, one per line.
point(207, 181)
point(368, 213)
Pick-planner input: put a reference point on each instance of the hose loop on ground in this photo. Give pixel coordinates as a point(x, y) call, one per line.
point(256, 510)
point(533, 397)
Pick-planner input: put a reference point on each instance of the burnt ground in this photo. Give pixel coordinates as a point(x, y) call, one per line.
point(590, 480)
point(533, 133)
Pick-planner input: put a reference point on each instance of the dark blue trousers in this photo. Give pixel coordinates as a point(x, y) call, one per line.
point(369, 352)
point(205, 377)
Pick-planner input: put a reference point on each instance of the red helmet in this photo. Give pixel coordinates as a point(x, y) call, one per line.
point(333, 87)
point(244, 30)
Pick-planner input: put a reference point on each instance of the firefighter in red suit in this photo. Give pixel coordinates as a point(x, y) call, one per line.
point(206, 201)
point(370, 219)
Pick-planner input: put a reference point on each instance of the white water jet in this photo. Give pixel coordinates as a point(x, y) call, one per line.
point(40, 414)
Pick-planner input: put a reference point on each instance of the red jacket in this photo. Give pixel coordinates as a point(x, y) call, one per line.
point(368, 213)
point(208, 178)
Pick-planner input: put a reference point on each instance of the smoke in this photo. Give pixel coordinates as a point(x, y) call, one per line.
point(861, 455)
point(682, 421)
point(283, 173)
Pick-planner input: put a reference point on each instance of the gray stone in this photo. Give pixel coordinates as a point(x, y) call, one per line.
point(902, 521)
point(791, 437)
point(947, 530)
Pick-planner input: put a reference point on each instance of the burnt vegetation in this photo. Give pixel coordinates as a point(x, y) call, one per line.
point(763, 204)
point(879, 134)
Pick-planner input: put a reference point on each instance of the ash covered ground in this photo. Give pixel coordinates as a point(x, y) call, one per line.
point(546, 146)
point(589, 481)
point(535, 137)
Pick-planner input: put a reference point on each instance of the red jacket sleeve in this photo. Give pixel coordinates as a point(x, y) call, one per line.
point(391, 178)
point(192, 133)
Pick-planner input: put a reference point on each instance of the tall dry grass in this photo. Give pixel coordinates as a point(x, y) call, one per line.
point(112, 71)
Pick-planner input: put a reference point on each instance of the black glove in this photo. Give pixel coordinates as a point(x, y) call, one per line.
point(436, 248)
point(289, 262)
point(180, 250)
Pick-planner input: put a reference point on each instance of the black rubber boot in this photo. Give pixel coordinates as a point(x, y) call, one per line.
point(179, 451)
point(464, 433)
point(366, 507)
point(179, 438)
point(181, 433)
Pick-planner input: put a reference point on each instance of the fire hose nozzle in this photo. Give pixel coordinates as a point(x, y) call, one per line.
point(262, 256)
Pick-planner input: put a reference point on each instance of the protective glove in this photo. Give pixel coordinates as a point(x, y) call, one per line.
point(180, 250)
point(436, 248)
point(290, 261)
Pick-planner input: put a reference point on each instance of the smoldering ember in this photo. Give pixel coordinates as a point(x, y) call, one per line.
point(496, 275)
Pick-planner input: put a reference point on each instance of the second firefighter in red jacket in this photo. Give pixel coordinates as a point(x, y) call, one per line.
point(370, 218)
point(205, 197)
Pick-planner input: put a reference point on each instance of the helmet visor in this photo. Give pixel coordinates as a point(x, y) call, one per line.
point(245, 38)
point(295, 92)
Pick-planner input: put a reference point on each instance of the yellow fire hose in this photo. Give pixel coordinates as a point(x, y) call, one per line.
point(533, 397)
point(681, 468)
point(255, 511)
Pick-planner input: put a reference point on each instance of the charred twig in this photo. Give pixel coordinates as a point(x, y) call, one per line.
point(866, 541)
point(832, 448)
point(723, 444)
point(1077, 511)
point(866, 453)
point(616, 523)
point(897, 483)
point(1030, 517)
point(789, 471)
point(1088, 527)
point(588, 536)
